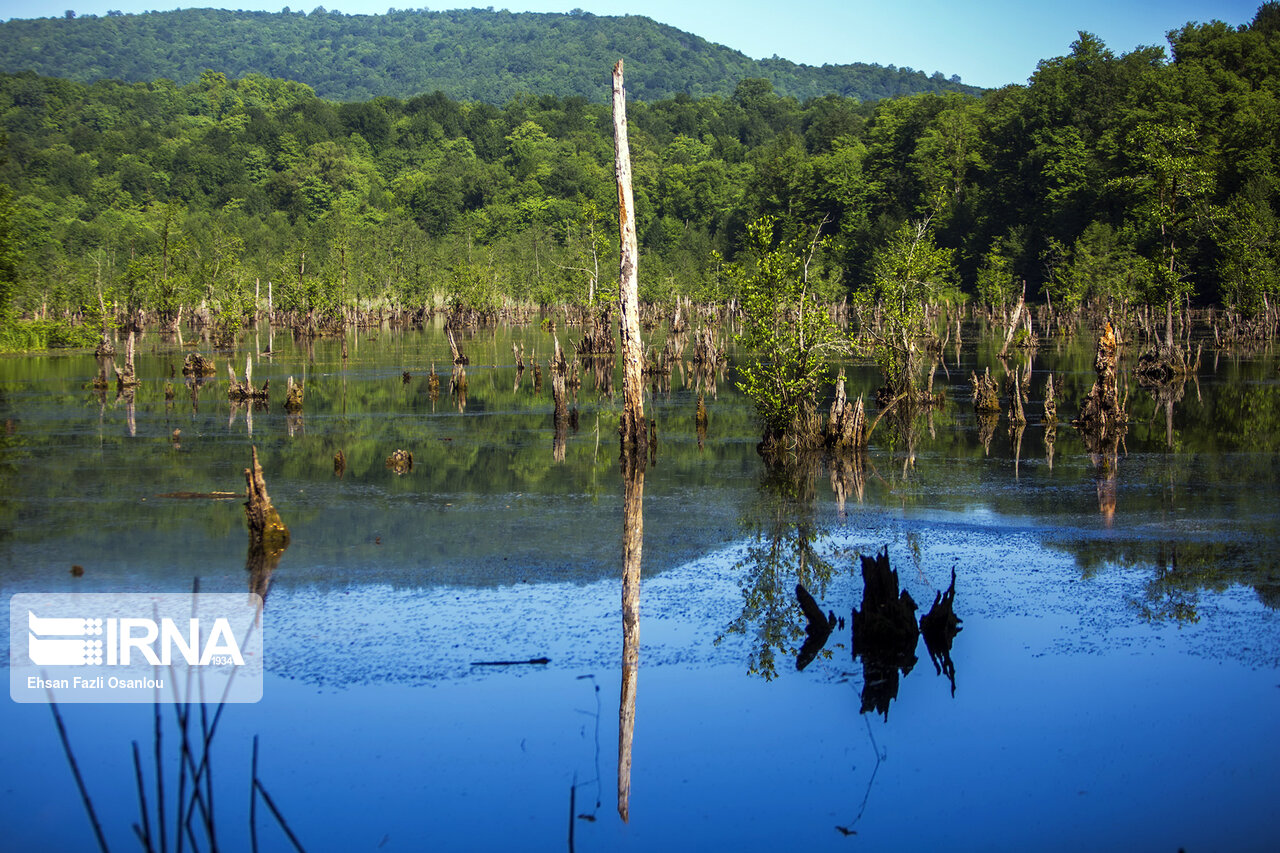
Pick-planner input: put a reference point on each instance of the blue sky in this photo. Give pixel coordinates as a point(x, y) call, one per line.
point(987, 43)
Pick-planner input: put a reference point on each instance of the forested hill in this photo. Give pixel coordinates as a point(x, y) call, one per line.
point(467, 54)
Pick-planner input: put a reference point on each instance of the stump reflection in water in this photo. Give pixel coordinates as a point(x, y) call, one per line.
point(268, 535)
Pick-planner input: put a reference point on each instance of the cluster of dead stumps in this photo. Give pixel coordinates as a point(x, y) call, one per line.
point(885, 632)
point(197, 369)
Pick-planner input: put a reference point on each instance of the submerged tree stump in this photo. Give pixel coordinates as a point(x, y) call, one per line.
point(1102, 418)
point(101, 382)
point(459, 357)
point(196, 364)
point(105, 348)
point(598, 337)
point(433, 384)
point(268, 536)
point(888, 616)
point(126, 377)
point(292, 397)
point(265, 527)
point(400, 461)
point(244, 391)
point(705, 352)
point(847, 424)
point(1017, 398)
point(1050, 418)
point(986, 393)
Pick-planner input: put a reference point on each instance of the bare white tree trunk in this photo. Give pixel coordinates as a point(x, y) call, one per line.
point(632, 429)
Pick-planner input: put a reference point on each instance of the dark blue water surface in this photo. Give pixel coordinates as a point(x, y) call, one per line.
point(1116, 678)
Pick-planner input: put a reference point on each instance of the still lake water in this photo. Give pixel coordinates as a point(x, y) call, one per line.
point(1116, 681)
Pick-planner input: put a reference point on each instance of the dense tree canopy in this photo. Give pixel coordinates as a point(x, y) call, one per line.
point(469, 54)
point(1141, 177)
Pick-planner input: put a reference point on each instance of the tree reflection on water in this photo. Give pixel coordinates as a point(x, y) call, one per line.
point(781, 553)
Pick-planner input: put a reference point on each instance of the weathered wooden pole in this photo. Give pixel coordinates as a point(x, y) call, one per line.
point(632, 429)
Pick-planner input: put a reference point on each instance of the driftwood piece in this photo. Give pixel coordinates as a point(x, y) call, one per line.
point(265, 527)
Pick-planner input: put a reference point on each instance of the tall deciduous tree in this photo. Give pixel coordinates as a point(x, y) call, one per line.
point(911, 273)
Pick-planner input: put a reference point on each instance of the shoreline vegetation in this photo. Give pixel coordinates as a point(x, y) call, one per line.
point(1136, 192)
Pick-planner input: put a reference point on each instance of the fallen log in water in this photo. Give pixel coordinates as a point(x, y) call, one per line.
point(190, 496)
point(530, 661)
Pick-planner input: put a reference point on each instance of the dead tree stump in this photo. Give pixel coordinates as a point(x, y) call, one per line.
point(1102, 418)
point(847, 424)
point(292, 397)
point(265, 527)
point(986, 393)
point(126, 377)
point(1050, 418)
point(196, 364)
point(400, 461)
point(459, 357)
point(242, 392)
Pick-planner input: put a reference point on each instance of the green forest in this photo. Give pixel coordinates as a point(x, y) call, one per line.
point(1149, 178)
point(469, 54)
